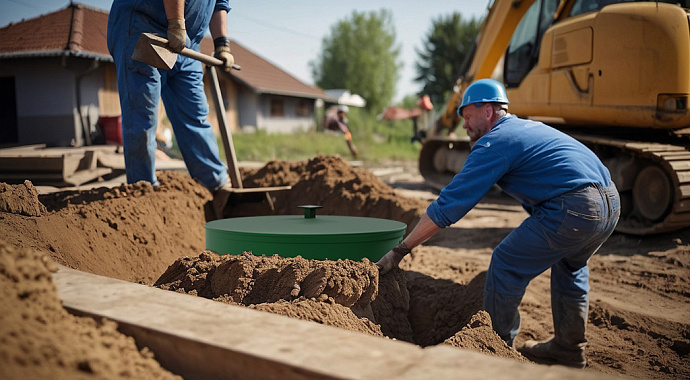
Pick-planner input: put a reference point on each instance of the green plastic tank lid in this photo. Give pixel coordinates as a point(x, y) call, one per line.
point(310, 235)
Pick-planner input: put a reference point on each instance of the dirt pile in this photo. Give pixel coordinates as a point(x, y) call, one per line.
point(337, 293)
point(39, 339)
point(331, 182)
point(20, 199)
point(479, 335)
point(131, 232)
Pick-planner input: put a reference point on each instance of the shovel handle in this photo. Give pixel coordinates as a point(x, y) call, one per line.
point(207, 59)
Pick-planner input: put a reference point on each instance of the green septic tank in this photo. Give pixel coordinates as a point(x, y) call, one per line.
point(310, 236)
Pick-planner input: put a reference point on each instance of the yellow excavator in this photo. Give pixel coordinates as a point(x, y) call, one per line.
point(613, 74)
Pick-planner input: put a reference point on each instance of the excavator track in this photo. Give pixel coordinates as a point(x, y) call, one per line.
point(653, 180)
point(441, 158)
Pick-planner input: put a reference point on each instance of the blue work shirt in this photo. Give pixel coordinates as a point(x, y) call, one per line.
point(146, 16)
point(529, 160)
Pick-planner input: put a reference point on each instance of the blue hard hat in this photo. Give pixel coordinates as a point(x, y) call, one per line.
point(484, 91)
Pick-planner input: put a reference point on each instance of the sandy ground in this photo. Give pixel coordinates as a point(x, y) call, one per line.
point(640, 300)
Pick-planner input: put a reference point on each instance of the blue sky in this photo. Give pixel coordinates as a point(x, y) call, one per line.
point(289, 33)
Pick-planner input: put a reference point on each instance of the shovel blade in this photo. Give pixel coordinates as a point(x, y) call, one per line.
point(153, 50)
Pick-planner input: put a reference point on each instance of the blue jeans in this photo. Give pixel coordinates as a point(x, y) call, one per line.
point(561, 234)
point(141, 87)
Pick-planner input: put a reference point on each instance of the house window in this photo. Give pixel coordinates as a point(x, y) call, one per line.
point(277, 108)
point(302, 108)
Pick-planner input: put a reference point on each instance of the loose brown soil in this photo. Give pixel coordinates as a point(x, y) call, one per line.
point(640, 302)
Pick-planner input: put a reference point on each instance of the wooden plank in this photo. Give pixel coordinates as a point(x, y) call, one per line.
point(246, 190)
point(84, 176)
point(31, 164)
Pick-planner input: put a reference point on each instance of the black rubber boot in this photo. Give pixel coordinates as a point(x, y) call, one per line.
point(550, 352)
point(567, 347)
point(220, 200)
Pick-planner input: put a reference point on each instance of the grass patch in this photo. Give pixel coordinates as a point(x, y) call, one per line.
point(375, 140)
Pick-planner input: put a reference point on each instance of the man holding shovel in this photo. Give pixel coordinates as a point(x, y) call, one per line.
point(141, 86)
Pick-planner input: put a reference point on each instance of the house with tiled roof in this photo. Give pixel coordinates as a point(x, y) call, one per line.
point(266, 97)
point(58, 80)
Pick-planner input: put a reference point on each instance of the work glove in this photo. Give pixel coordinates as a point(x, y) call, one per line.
point(177, 34)
point(222, 52)
point(392, 258)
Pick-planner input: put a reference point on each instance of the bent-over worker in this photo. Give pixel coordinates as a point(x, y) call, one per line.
point(141, 86)
point(573, 208)
point(337, 121)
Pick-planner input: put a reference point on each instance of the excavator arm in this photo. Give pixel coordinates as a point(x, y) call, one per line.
point(492, 41)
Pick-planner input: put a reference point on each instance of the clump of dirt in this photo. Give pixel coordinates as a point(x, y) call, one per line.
point(247, 279)
point(338, 293)
point(39, 339)
point(479, 335)
point(20, 199)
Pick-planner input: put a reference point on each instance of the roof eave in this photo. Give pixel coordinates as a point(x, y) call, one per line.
point(267, 91)
point(291, 93)
point(57, 53)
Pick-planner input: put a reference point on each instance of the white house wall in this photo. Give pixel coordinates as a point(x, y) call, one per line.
point(46, 99)
point(289, 122)
point(247, 108)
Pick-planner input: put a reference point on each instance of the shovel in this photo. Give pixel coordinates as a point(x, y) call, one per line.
point(153, 50)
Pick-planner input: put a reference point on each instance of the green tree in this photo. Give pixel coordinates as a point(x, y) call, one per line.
point(360, 55)
point(446, 48)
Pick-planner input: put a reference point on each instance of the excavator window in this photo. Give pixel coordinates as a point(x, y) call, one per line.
point(584, 6)
point(523, 50)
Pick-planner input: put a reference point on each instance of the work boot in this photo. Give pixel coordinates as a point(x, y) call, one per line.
point(550, 352)
point(567, 347)
point(220, 200)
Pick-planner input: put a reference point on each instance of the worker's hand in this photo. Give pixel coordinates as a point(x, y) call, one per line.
point(177, 35)
point(221, 51)
point(392, 258)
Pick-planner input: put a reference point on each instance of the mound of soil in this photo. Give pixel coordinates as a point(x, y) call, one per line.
point(40, 340)
point(479, 335)
point(331, 182)
point(20, 199)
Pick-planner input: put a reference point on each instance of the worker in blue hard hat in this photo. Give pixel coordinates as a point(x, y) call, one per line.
point(184, 23)
point(573, 206)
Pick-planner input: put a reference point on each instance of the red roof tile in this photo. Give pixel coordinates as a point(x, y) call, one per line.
point(79, 29)
point(76, 28)
point(263, 76)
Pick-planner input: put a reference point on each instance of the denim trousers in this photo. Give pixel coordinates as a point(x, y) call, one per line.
point(141, 87)
point(561, 234)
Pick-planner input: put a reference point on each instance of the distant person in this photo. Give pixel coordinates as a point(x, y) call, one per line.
point(336, 120)
point(184, 24)
point(573, 206)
